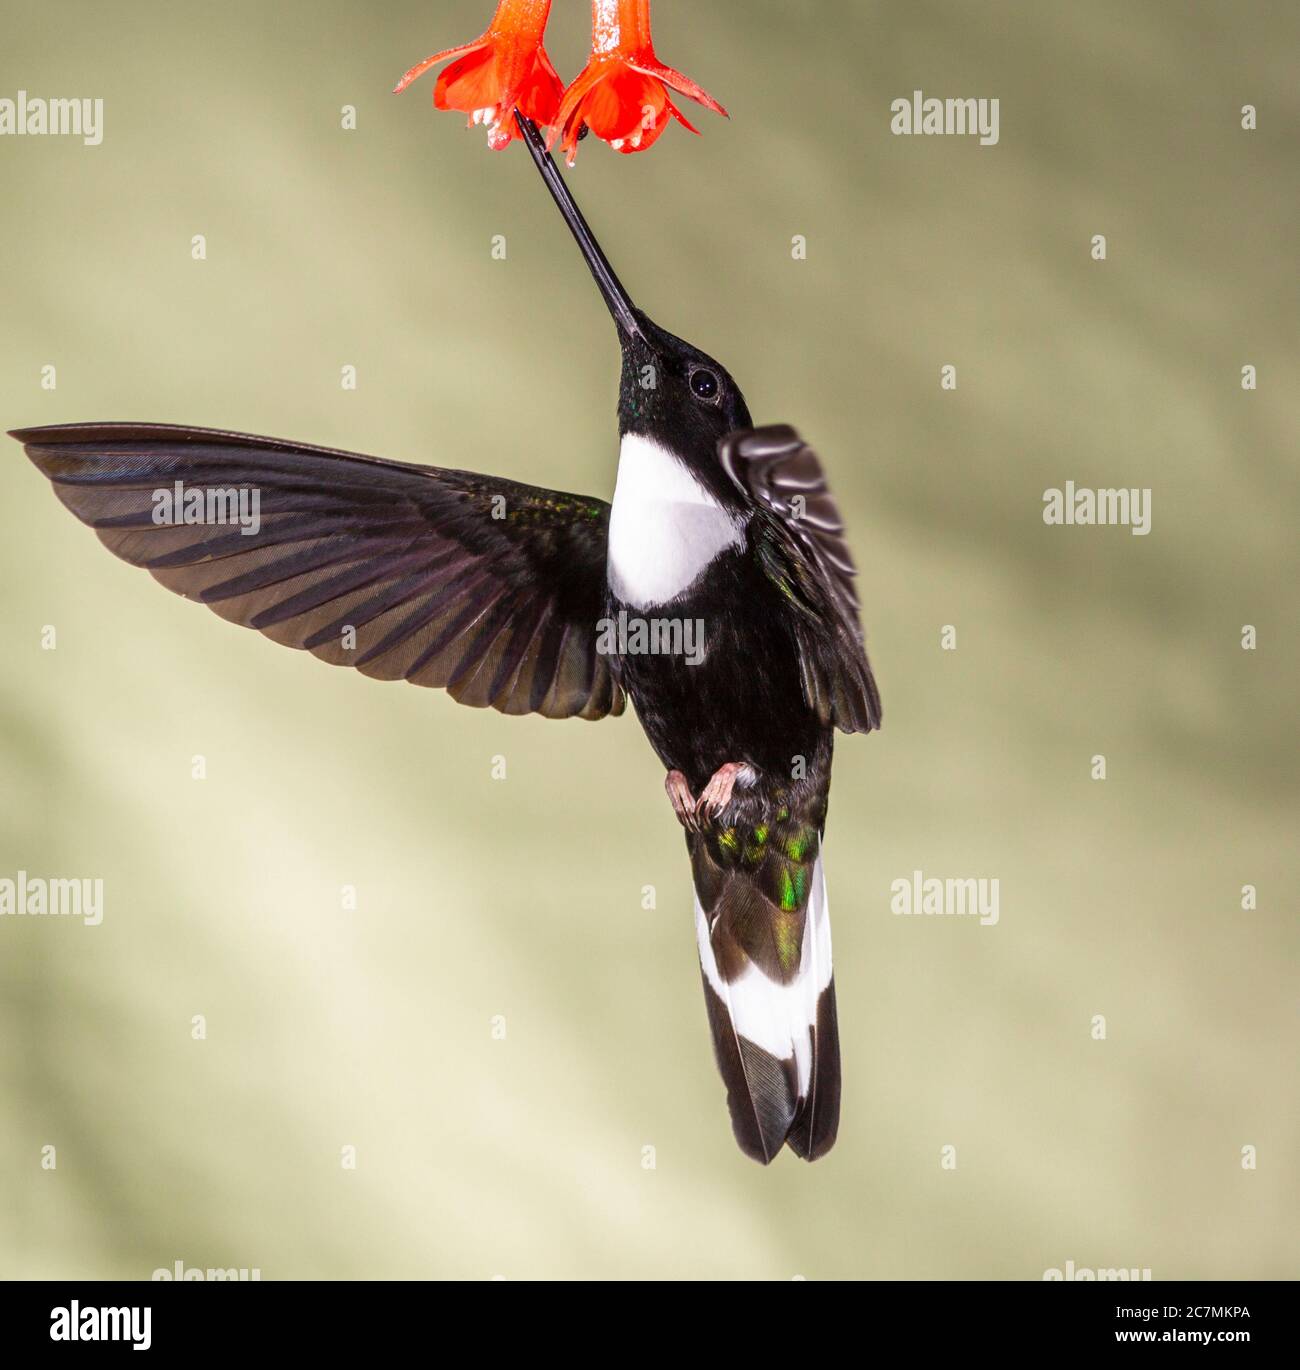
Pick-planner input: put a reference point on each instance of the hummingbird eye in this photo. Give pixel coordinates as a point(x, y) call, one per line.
point(704, 384)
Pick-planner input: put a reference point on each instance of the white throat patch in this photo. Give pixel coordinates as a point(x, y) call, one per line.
point(665, 528)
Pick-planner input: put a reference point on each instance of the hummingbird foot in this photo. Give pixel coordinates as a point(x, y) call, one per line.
point(680, 797)
point(716, 795)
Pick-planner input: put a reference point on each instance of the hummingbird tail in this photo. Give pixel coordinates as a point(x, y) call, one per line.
point(770, 995)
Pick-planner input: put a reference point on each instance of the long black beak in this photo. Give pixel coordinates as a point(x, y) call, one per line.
point(620, 306)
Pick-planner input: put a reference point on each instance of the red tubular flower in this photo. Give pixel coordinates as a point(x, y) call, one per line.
point(622, 94)
point(505, 69)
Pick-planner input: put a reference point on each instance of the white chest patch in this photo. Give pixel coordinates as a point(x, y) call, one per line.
point(665, 528)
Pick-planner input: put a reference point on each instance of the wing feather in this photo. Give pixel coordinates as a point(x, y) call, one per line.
point(490, 589)
point(802, 549)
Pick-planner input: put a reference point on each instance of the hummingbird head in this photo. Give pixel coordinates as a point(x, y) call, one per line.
point(674, 393)
point(669, 392)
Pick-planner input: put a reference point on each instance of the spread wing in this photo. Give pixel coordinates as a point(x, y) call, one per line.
point(800, 543)
point(487, 588)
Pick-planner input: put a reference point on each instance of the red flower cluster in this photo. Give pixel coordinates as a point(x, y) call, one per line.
point(622, 95)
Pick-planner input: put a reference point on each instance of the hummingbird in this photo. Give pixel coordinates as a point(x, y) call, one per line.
point(496, 592)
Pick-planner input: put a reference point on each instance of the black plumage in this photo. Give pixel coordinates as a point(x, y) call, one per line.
point(500, 593)
point(485, 587)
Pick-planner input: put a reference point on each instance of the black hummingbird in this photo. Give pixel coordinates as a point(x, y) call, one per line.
point(502, 594)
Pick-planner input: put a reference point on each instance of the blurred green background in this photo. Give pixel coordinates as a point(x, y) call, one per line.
point(522, 897)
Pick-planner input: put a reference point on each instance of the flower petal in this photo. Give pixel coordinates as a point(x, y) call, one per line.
point(420, 68)
point(541, 93)
point(617, 103)
point(471, 82)
point(682, 119)
point(651, 66)
point(645, 138)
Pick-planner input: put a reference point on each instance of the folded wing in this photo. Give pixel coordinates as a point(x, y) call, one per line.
point(800, 542)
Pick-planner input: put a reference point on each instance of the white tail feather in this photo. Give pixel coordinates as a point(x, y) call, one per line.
point(778, 1018)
